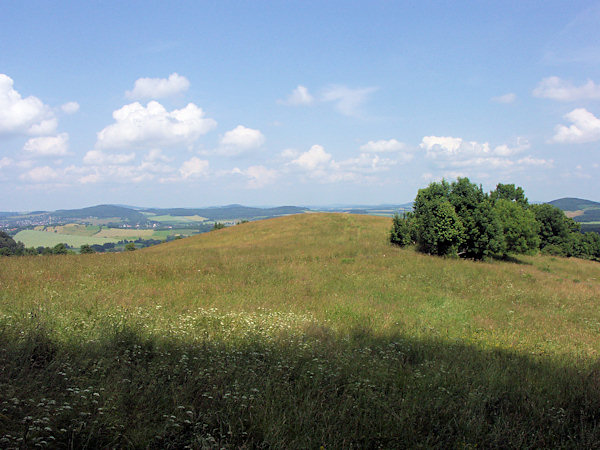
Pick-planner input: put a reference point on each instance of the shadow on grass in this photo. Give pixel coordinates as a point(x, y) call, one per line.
point(304, 390)
point(511, 259)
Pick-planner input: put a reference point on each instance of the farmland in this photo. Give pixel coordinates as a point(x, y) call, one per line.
point(300, 331)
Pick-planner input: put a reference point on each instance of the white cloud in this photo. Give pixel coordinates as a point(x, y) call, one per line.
point(313, 158)
point(23, 115)
point(136, 125)
point(155, 155)
point(239, 140)
point(506, 98)
point(159, 87)
point(40, 175)
point(5, 162)
point(347, 101)
point(299, 96)
point(98, 157)
point(368, 163)
point(446, 147)
point(455, 153)
point(382, 146)
point(48, 145)
point(258, 176)
point(557, 89)
point(317, 164)
point(70, 107)
point(194, 167)
point(585, 128)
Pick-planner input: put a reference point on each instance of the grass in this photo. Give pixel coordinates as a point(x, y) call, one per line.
point(298, 332)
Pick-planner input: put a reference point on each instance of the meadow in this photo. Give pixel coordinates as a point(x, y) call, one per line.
point(75, 235)
point(298, 332)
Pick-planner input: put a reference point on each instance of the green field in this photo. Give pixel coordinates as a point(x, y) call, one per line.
point(76, 235)
point(37, 238)
point(305, 331)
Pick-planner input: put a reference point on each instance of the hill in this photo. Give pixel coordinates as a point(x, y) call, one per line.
point(298, 332)
point(229, 212)
point(574, 204)
point(102, 212)
point(583, 211)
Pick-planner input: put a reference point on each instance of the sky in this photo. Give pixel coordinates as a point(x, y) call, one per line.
point(191, 104)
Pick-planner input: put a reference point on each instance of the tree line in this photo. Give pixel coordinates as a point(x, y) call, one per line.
point(460, 219)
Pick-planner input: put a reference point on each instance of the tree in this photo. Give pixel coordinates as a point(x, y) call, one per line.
point(555, 229)
point(9, 247)
point(439, 229)
point(130, 247)
point(519, 226)
point(483, 231)
point(509, 192)
point(218, 226)
point(59, 249)
point(85, 248)
point(403, 230)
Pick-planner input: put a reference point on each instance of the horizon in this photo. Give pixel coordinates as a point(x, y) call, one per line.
point(302, 103)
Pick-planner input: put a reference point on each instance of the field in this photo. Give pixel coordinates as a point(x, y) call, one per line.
point(38, 238)
point(298, 332)
point(76, 235)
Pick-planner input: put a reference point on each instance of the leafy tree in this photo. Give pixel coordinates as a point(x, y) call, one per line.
point(404, 231)
point(440, 230)
point(519, 226)
point(9, 247)
point(85, 248)
point(130, 247)
point(509, 192)
point(59, 249)
point(555, 229)
point(218, 226)
point(483, 231)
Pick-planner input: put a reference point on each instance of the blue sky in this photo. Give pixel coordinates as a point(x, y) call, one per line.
point(308, 103)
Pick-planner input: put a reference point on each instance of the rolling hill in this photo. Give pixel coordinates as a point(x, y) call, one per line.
point(584, 211)
point(298, 332)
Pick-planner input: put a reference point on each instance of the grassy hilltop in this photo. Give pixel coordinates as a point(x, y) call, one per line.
point(298, 332)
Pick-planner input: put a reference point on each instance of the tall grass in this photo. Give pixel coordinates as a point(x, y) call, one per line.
point(297, 332)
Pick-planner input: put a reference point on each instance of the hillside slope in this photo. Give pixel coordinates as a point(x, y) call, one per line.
point(583, 211)
point(298, 332)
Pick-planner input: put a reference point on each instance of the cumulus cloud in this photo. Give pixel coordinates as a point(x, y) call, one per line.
point(23, 115)
point(70, 107)
point(48, 145)
point(239, 140)
point(156, 155)
point(193, 168)
point(506, 98)
point(98, 158)
point(347, 101)
point(258, 176)
point(313, 158)
point(136, 125)
point(557, 89)
point(317, 164)
point(447, 147)
point(585, 128)
point(299, 96)
point(453, 152)
point(158, 87)
point(383, 146)
point(40, 175)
